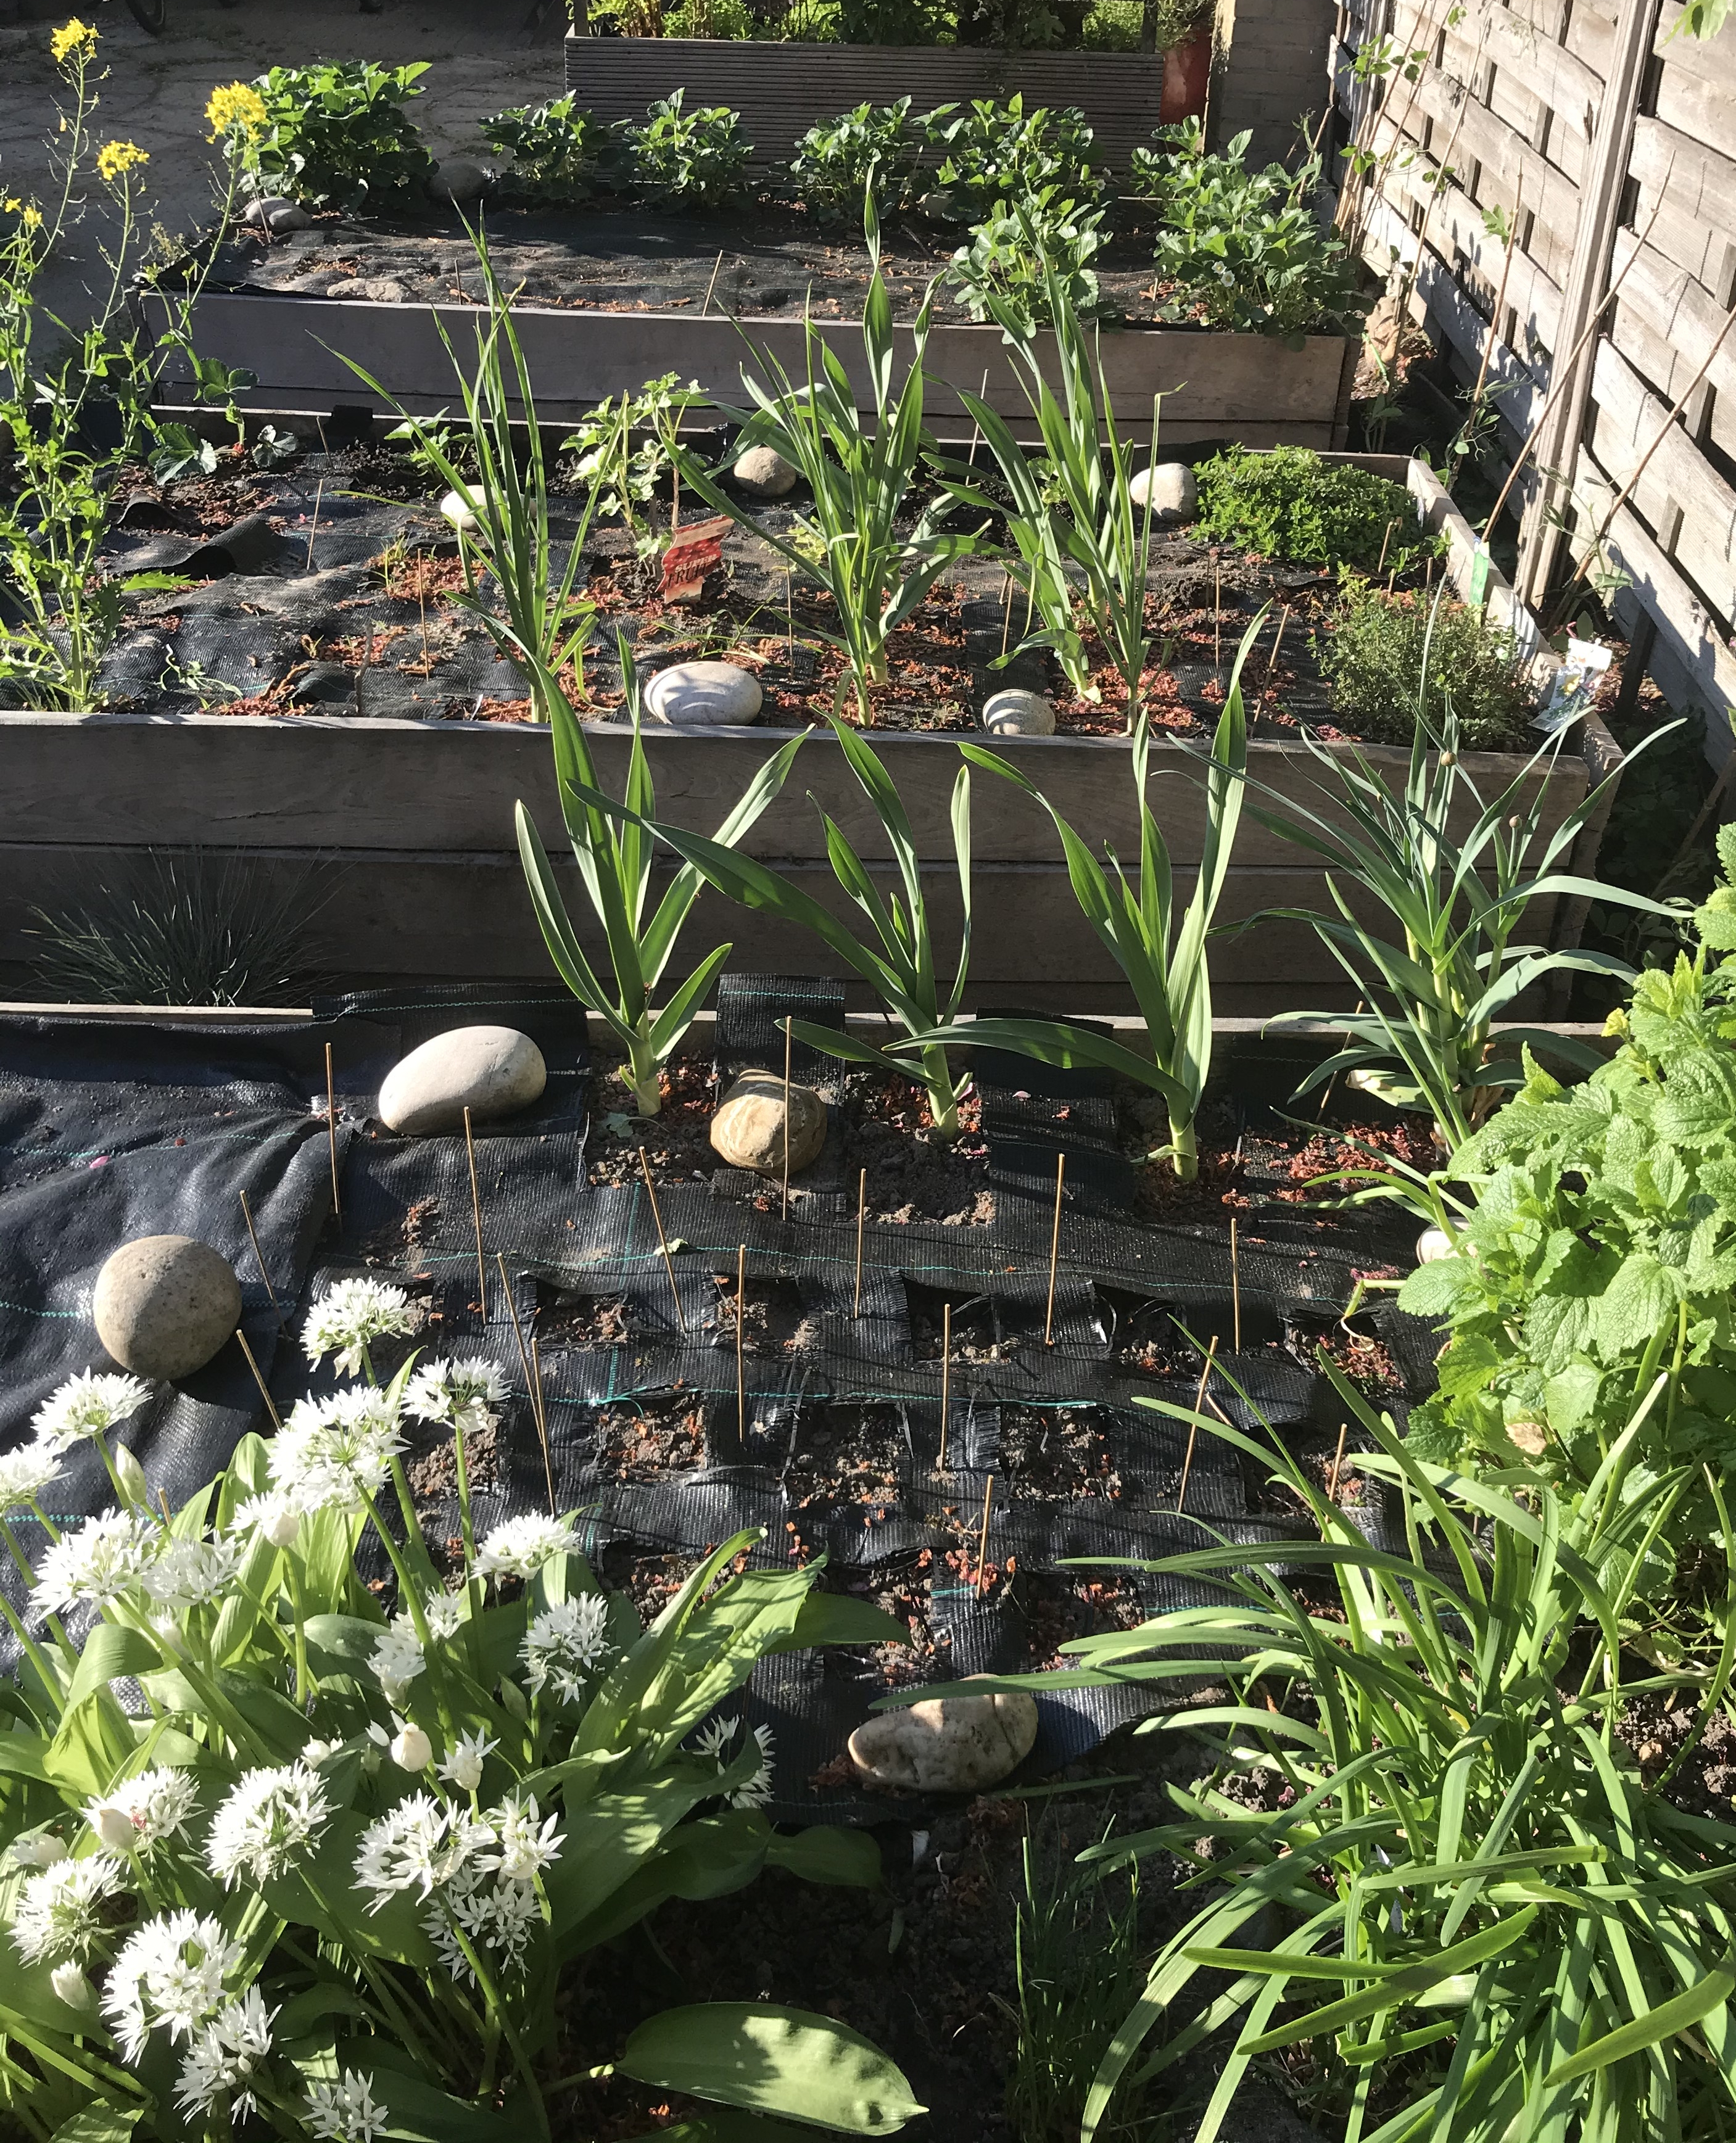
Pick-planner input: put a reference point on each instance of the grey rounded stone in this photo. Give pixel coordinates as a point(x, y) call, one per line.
point(164, 1304)
point(460, 179)
point(381, 289)
point(762, 473)
point(491, 1071)
point(1170, 488)
point(1012, 712)
point(702, 695)
point(747, 1129)
point(947, 1745)
point(290, 216)
point(260, 212)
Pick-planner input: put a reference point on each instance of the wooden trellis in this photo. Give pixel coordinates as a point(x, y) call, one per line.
point(1606, 138)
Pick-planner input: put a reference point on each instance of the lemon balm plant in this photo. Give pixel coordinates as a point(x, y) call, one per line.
point(327, 1867)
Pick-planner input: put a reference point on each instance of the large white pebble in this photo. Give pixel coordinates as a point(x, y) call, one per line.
point(1433, 1245)
point(748, 1127)
point(702, 695)
point(1016, 713)
point(947, 1745)
point(762, 473)
point(491, 1071)
point(164, 1304)
point(1170, 489)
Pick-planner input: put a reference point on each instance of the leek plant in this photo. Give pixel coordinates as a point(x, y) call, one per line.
point(1461, 1900)
point(1162, 954)
point(901, 967)
point(1460, 898)
point(1083, 548)
point(860, 467)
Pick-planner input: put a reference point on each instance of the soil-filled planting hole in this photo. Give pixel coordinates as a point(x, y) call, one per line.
point(677, 1140)
point(1057, 1451)
point(590, 1321)
point(845, 1455)
point(773, 1321)
point(1059, 1606)
point(653, 1438)
point(912, 1175)
point(976, 1331)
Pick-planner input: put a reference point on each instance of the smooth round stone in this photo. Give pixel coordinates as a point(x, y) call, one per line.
point(455, 508)
point(702, 695)
point(460, 179)
point(164, 1304)
point(260, 212)
point(381, 289)
point(491, 1071)
point(762, 473)
point(289, 215)
point(748, 1127)
point(947, 1745)
point(1016, 713)
point(1433, 1245)
point(1170, 488)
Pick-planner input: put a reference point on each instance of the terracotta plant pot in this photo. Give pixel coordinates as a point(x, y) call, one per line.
point(1187, 75)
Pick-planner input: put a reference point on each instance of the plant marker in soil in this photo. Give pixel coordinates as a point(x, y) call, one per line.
point(1235, 1290)
point(276, 1417)
point(252, 1237)
point(946, 1377)
point(1061, 1177)
point(988, 1497)
point(861, 1221)
point(1337, 1460)
point(475, 1215)
point(331, 1131)
point(319, 493)
point(533, 1374)
point(741, 1322)
point(668, 1263)
point(785, 1214)
point(542, 1407)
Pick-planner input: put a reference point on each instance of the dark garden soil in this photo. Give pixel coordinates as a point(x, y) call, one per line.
point(330, 587)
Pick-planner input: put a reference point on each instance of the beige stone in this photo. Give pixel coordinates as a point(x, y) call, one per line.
point(762, 473)
point(953, 1743)
point(164, 1304)
point(748, 1128)
point(491, 1071)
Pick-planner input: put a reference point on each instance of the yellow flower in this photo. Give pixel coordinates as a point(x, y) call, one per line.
point(73, 40)
point(234, 105)
point(114, 159)
point(32, 216)
point(13, 206)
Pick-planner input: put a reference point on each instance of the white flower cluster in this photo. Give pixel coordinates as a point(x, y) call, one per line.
point(224, 2054)
point(464, 1393)
point(344, 2112)
point(59, 1912)
point(332, 1451)
point(520, 1547)
point(349, 1316)
point(106, 1558)
point(478, 1873)
point(269, 1818)
point(397, 1658)
point(713, 1741)
point(168, 1975)
point(86, 1406)
point(139, 1813)
point(565, 1645)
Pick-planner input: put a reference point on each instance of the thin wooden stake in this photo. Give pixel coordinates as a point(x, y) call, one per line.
point(1236, 1288)
point(790, 621)
point(711, 286)
point(1337, 1460)
point(988, 1497)
point(945, 1378)
point(741, 1322)
point(277, 1421)
point(541, 1406)
point(475, 1215)
point(252, 1237)
point(861, 1221)
point(1006, 614)
point(668, 1263)
point(331, 1131)
point(1061, 1177)
point(976, 429)
point(1187, 1464)
point(785, 1215)
point(1217, 616)
point(1277, 642)
point(1385, 540)
point(532, 1377)
point(319, 493)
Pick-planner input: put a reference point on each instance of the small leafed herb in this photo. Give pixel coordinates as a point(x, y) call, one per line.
point(1289, 504)
point(1385, 655)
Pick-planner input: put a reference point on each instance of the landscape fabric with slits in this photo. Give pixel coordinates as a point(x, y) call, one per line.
point(110, 1130)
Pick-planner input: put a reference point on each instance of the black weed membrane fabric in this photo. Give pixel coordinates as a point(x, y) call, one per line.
point(832, 1441)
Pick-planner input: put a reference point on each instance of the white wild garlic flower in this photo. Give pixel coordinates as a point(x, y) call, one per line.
point(525, 1841)
point(496, 1917)
point(520, 1547)
point(444, 1613)
point(276, 1516)
point(89, 1404)
point(565, 1645)
point(419, 1845)
point(38, 1848)
point(268, 1819)
point(713, 1741)
point(168, 1976)
point(331, 1451)
point(136, 1813)
point(397, 1658)
point(59, 1911)
point(463, 1393)
point(410, 1748)
point(224, 2056)
point(189, 1573)
point(463, 1768)
point(70, 1987)
point(107, 1556)
point(351, 1314)
point(26, 1475)
point(344, 2112)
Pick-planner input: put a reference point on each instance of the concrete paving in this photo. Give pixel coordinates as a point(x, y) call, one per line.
point(480, 60)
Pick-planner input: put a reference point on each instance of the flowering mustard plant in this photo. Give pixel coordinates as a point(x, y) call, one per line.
point(282, 1847)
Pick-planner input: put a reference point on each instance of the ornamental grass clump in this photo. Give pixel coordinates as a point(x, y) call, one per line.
point(290, 1846)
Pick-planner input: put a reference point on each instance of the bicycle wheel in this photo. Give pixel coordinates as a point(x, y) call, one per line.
point(150, 14)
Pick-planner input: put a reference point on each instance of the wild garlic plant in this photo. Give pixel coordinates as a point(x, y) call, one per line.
point(286, 1847)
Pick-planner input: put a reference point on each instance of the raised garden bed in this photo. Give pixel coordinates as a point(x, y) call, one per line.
point(407, 803)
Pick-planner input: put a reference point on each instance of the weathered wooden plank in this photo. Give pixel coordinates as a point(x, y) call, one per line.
point(1212, 384)
point(338, 783)
point(440, 915)
point(1696, 224)
point(1688, 634)
point(781, 90)
point(1664, 321)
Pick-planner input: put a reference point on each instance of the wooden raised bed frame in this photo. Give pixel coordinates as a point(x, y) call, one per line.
point(415, 820)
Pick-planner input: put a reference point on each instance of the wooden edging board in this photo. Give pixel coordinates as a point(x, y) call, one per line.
point(399, 834)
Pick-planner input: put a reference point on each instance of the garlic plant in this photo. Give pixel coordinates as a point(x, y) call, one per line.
point(283, 1849)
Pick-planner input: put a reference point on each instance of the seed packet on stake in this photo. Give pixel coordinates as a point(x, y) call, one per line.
point(1570, 694)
